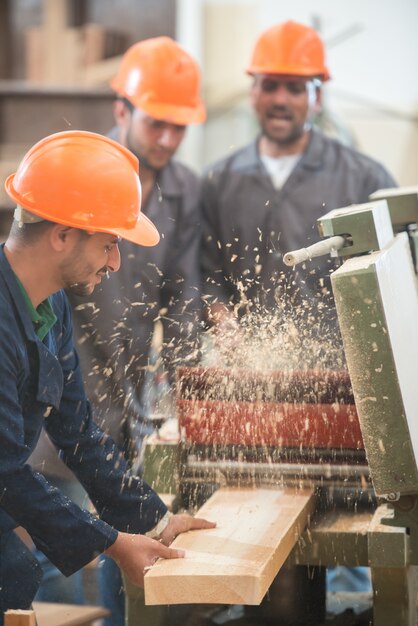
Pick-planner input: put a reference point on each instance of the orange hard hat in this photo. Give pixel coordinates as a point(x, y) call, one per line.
point(289, 48)
point(159, 77)
point(83, 180)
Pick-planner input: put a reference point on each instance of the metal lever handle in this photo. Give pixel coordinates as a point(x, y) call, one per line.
point(317, 249)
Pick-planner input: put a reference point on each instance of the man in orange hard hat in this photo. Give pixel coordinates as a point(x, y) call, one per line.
point(78, 195)
point(157, 97)
point(264, 199)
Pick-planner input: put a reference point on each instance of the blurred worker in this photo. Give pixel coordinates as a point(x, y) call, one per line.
point(264, 199)
point(157, 88)
point(77, 195)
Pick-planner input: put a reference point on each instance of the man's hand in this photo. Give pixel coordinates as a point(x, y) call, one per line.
point(181, 524)
point(135, 554)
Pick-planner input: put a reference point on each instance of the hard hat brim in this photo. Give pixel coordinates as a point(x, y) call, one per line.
point(288, 70)
point(184, 116)
point(144, 232)
point(172, 113)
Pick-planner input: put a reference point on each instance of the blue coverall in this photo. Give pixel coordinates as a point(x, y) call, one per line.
point(40, 384)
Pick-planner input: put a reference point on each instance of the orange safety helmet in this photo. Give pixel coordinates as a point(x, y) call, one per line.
point(159, 77)
point(83, 180)
point(289, 48)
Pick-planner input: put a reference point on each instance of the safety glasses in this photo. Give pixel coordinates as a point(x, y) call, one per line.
point(293, 86)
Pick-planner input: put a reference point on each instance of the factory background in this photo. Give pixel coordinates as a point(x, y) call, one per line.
point(372, 54)
point(56, 57)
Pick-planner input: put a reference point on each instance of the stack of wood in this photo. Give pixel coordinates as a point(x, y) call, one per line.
point(56, 53)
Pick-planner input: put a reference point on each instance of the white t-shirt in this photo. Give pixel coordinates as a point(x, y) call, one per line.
point(280, 168)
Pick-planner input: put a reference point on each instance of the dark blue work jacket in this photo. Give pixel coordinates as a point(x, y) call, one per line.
point(41, 385)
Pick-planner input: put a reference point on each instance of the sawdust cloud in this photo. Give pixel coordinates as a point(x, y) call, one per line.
point(296, 330)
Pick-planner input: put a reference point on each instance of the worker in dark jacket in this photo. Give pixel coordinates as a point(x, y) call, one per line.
point(78, 194)
point(157, 89)
point(264, 199)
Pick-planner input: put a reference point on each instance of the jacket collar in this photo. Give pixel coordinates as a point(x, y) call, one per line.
point(249, 158)
point(313, 156)
point(50, 377)
point(168, 180)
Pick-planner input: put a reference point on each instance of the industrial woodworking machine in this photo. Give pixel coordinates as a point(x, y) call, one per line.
point(376, 296)
point(351, 435)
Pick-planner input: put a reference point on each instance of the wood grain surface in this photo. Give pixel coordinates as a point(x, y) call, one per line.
point(236, 562)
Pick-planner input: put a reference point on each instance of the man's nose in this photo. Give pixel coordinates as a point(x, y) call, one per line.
point(113, 263)
point(281, 93)
point(169, 138)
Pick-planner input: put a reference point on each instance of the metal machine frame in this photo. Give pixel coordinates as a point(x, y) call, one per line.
point(376, 296)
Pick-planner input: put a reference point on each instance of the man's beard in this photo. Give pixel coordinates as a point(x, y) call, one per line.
point(143, 161)
point(85, 288)
point(294, 134)
point(80, 289)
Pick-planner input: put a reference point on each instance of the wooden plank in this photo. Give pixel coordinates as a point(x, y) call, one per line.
point(34, 54)
point(72, 51)
point(94, 43)
point(54, 23)
point(101, 72)
point(236, 562)
point(53, 614)
point(18, 617)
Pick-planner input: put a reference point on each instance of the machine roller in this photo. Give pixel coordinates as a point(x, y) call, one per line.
point(270, 427)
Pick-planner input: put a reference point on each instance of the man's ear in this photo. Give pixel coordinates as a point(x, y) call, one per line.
point(317, 104)
point(60, 237)
point(121, 113)
point(253, 91)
